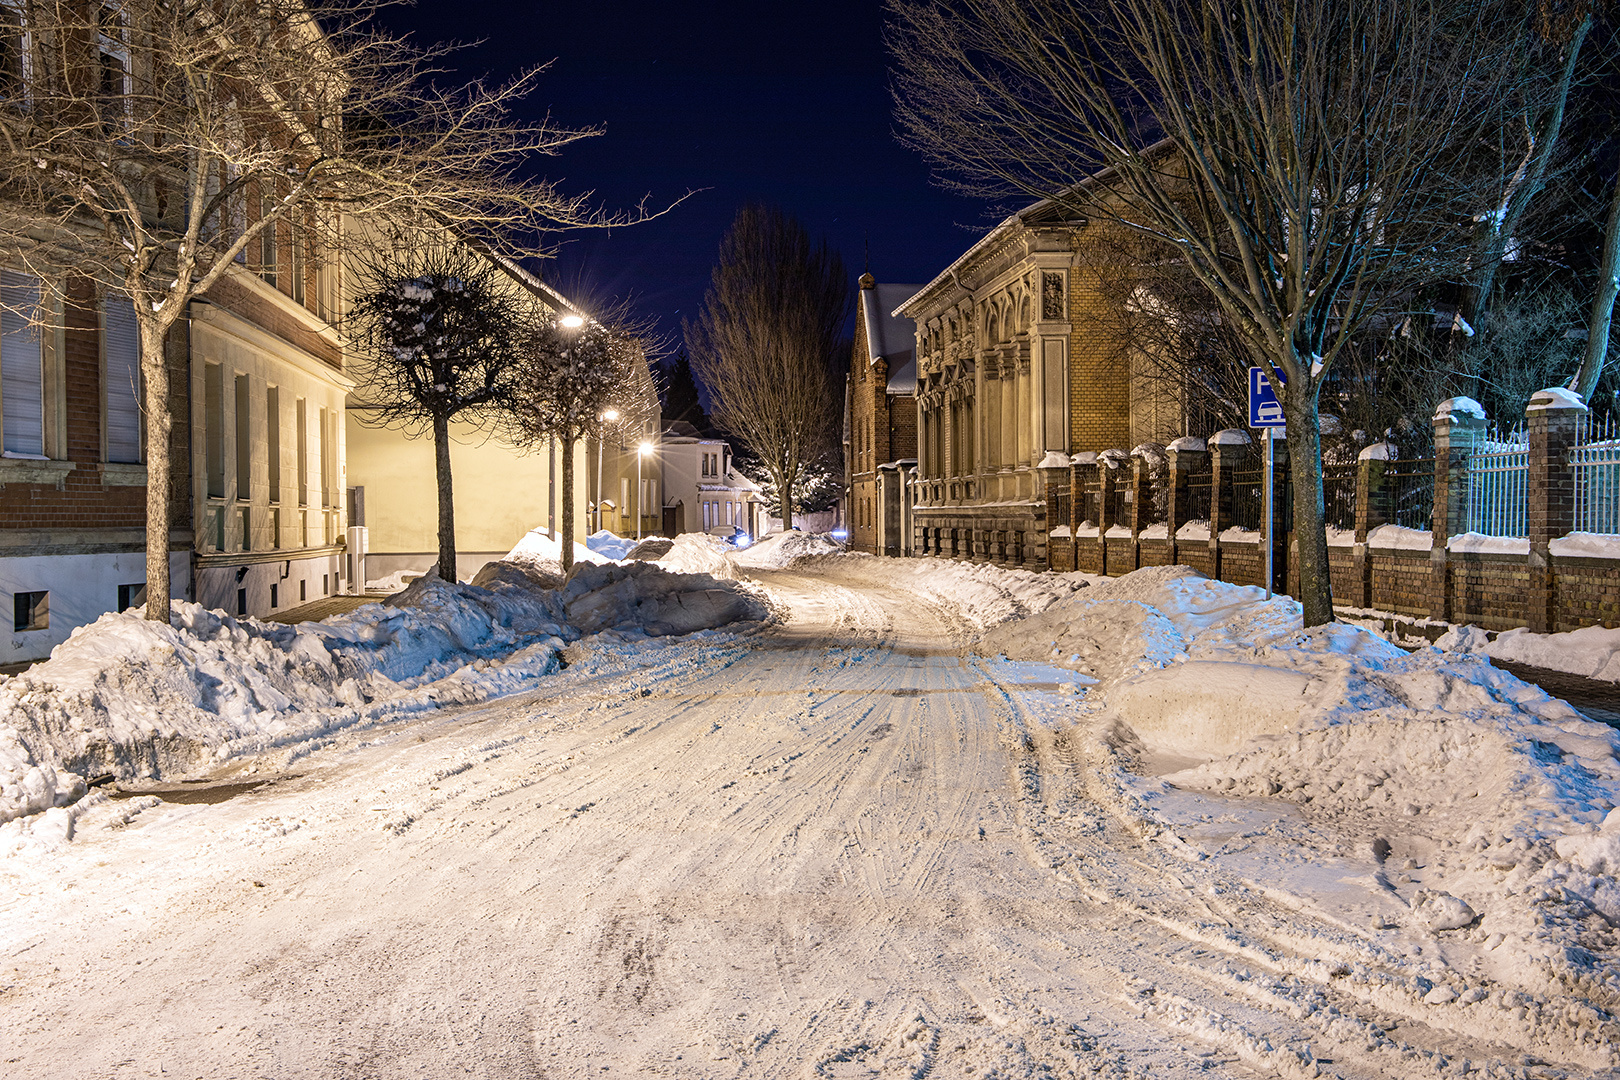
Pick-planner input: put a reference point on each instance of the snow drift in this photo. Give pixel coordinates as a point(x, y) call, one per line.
point(132, 698)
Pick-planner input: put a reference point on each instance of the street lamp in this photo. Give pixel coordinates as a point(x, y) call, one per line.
point(609, 416)
point(642, 451)
point(571, 322)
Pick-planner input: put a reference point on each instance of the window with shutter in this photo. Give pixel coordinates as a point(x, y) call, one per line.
point(22, 372)
point(121, 343)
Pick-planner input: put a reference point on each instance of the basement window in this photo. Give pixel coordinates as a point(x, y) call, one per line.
point(132, 596)
point(31, 611)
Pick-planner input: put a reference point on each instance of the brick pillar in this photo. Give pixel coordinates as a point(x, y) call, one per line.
point(1054, 469)
point(1186, 458)
point(1553, 418)
point(1459, 425)
point(1373, 508)
point(1227, 449)
point(1141, 481)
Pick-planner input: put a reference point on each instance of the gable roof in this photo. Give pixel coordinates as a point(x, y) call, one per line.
point(888, 334)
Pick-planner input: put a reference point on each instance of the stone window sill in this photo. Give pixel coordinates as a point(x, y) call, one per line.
point(34, 471)
point(122, 474)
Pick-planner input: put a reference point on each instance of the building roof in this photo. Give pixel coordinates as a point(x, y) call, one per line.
point(889, 334)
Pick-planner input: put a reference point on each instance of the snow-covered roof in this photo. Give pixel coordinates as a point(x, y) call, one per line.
point(888, 335)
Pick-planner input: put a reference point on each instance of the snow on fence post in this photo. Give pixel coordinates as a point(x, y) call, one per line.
point(1227, 450)
point(1373, 508)
point(1553, 419)
point(1186, 458)
point(1108, 478)
point(1459, 425)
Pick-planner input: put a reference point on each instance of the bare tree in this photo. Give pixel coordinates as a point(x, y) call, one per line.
point(152, 141)
point(436, 335)
point(766, 342)
point(1295, 155)
point(573, 372)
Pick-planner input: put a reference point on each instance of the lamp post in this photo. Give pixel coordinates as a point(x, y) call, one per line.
point(642, 451)
point(609, 416)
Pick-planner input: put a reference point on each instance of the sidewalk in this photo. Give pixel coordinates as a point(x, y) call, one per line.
point(1595, 698)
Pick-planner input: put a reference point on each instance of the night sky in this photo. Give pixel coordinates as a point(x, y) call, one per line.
point(784, 103)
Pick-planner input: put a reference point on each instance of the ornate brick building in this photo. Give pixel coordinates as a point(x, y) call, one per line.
point(881, 406)
point(1020, 356)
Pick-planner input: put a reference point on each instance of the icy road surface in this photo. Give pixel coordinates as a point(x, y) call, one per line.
point(839, 847)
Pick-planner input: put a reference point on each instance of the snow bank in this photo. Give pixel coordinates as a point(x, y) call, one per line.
point(778, 549)
point(698, 553)
point(1592, 651)
point(1500, 799)
point(536, 546)
point(137, 699)
point(610, 545)
point(980, 594)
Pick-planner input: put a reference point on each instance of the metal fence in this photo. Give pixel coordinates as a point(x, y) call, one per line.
point(1498, 486)
point(1339, 496)
point(1060, 507)
point(1198, 492)
point(1595, 460)
point(1248, 498)
point(1410, 483)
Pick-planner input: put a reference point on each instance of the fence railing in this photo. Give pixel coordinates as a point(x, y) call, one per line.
point(1199, 489)
point(1248, 498)
point(1339, 496)
point(1410, 483)
point(1595, 461)
point(1060, 502)
point(1499, 487)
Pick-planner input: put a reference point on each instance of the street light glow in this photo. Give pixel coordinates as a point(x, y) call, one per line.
point(645, 448)
point(572, 322)
point(610, 415)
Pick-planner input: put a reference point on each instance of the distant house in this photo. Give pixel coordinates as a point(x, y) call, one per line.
point(702, 491)
point(501, 491)
point(881, 410)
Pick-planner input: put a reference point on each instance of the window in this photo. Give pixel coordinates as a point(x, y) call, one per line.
point(22, 369)
point(31, 611)
point(122, 347)
point(301, 413)
point(12, 52)
point(244, 441)
point(132, 596)
point(112, 70)
point(214, 428)
point(272, 436)
point(274, 595)
point(269, 240)
point(241, 601)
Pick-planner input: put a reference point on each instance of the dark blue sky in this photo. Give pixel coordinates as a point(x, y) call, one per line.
point(777, 102)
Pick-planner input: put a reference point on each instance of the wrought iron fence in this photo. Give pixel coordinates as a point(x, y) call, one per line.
point(1198, 496)
point(1410, 483)
point(1595, 460)
point(1248, 498)
point(1498, 486)
point(1060, 498)
point(1339, 496)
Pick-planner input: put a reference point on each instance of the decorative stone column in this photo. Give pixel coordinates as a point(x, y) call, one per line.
point(1459, 427)
point(1553, 421)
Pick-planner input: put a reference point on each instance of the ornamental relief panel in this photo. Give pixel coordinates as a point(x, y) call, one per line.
point(1052, 297)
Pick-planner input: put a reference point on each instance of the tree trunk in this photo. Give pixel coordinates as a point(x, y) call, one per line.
point(566, 540)
point(159, 467)
point(447, 505)
point(1597, 327)
point(784, 503)
point(1304, 439)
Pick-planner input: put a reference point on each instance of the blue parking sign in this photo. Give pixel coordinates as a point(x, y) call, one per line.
point(1265, 411)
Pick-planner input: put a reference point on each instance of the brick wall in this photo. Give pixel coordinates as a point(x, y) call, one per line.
point(83, 499)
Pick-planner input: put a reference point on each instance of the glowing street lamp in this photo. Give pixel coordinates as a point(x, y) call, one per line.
point(571, 322)
point(645, 449)
point(609, 416)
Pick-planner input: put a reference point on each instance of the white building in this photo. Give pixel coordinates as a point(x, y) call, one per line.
point(702, 491)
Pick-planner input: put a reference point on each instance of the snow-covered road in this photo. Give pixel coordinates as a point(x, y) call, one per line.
point(841, 846)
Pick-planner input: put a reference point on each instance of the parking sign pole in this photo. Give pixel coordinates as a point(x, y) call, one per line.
point(1271, 520)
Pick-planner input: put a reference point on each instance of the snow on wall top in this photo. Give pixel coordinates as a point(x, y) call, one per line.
point(1555, 397)
point(893, 337)
point(1230, 437)
point(1459, 406)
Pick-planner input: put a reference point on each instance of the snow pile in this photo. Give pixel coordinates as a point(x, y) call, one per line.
point(138, 699)
point(539, 547)
point(775, 551)
point(609, 544)
point(1592, 651)
point(1501, 798)
point(698, 553)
